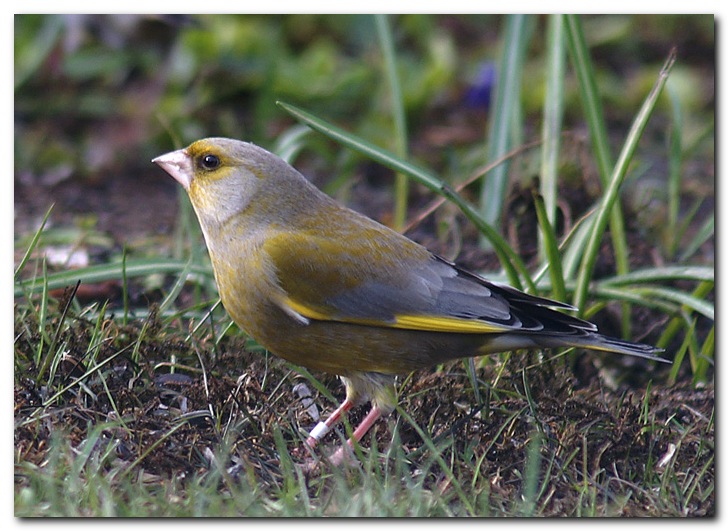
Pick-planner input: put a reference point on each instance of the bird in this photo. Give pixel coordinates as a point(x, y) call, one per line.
point(329, 289)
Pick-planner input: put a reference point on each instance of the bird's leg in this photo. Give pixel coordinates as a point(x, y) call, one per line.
point(374, 414)
point(365, 424)
point(360, 387)
point(322, 428)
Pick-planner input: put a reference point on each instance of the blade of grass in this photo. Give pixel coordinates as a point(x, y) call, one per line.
point(680, 354)
point(604, 294)
point(553, 112)
point(591, 104)
point(698, 365)
point(42, 317)
point(69, 296)
point(676, 323)
point(151, 318)
point(97, 338)
point(693, 303)
point(705, 469)
point(705, 356)
point(33, 244)
point(384, 32)
point(473, 377)
point(574, 244)
point(551, 249)
point(604, 212)
point(531, 474)
point(501, 127)
point(675, 169)
point(290, 142)
point(176, 288)
point(124, 286)
point(688, 218)
point(628, 288)
point(657, 274)
point(579, 53)
point(511, 262)
point(705, 232)
point(187, 229)
point(103, 272)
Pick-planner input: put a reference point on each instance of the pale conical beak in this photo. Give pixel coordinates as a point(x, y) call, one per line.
point(179, 165)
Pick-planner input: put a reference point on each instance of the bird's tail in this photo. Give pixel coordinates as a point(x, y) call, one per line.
point(594, 341)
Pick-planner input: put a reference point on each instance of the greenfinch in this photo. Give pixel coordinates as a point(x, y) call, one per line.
point(327, 288)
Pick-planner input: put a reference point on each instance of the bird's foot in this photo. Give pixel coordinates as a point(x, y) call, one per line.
point(343, 457)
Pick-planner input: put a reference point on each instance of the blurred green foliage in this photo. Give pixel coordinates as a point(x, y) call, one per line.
point(188, 77)
point(97, 96)
point(191, 76)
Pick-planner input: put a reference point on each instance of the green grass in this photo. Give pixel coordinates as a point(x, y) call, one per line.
point(107, 442)
point(166, 409)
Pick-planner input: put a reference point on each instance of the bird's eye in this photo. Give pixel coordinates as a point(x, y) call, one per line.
point(210, 162)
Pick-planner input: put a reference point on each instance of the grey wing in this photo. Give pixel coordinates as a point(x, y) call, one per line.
point(440, 289)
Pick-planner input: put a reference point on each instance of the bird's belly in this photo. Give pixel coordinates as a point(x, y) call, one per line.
point(343, 348)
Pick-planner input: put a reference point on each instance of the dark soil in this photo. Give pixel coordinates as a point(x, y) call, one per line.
point(251, 395)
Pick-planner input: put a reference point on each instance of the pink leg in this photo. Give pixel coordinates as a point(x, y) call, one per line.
point(365, 425)
point(359, 432)
point(322, 428)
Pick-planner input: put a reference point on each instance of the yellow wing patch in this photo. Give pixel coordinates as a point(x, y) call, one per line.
point(306, 311)
point(428, 323)
point(433, 323)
